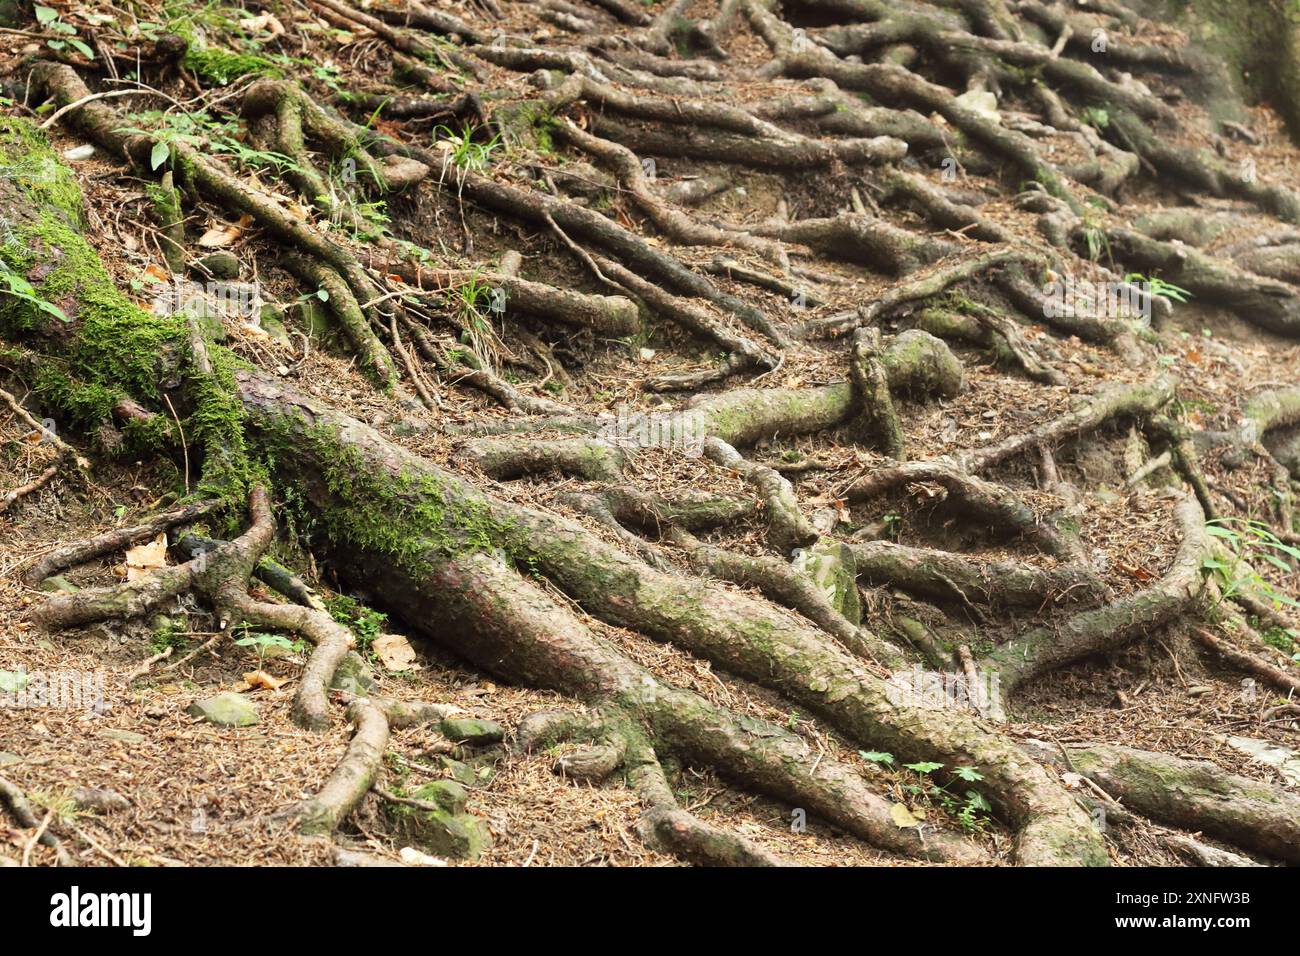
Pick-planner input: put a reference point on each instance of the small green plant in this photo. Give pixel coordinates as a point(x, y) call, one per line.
point(203, 131)
point(1284, 639)
point(167, 635)
point(469, 301)
point(61, 805)
point(12, 284)
point(1247, 542)
point(967, 808)
point(366, 623)
point(877, 756)
point(49, 18)
point(1159, 287)
point(1096, 117)
point(464, 152)
point(264, 642)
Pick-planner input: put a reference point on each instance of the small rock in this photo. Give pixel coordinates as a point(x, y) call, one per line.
point(981, 101)
point(7, 758)
point(225, 710)
point(354, 676)
point(78, 153)
point(447, 794)
point(1283, 759)
point(472, 731)
point(314, 317)
point(125, 736)
point(346, 857)
point(832, 568)
point(446, 833)
point(460, 772)
point(99, 801)
point(59, 583)
point(271, 320)
point(220, 265)
point(413, 857)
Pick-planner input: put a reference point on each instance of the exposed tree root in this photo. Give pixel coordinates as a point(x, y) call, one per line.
point(351, 779)
point(1197, 795)
point(991, 93)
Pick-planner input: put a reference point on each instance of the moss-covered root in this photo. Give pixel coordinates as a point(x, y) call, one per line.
point(666, 826)
point(780, 581)
point(506, 458)
point(1140, 401)
point(510, 627)
point(877, 419)
point(995, 502)
point(1106, 628)
point(1197, 795)
point(351, 779)
point(942, 575)
point(225, 581)
point(221, 573)
point(757, 641)
point(397, 519)
point(773, 761)
point(1267, 303)
point(131, 599)
point(375, 358)
point(195, 170)
point(787, 528)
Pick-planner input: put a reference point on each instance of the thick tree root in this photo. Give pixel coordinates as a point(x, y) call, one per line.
point(79, 552)
point(1039, 650)
point(1197, 795)
point(722, 627)
point(351, 779)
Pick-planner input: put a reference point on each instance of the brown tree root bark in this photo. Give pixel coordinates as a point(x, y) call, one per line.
point(930, 572)
point(747, 637)
point(1248, 663)
point(1197, 795)
point(1111, 626)
point(197, 171)
point(351, 780)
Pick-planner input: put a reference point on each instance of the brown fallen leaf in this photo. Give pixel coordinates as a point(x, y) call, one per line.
point(395, 652)
point(902, 817)
point(224, 233)
point(267, 21)
point(260, 678)
point(144, 558)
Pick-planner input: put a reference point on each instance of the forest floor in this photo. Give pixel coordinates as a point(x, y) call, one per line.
point(198, 793)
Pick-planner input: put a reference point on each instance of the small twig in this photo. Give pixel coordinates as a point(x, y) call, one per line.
point(149, 662)
point(185, 451)
point(193, 654)
point(95, 845)
point(40, 832)
point(60, 113)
